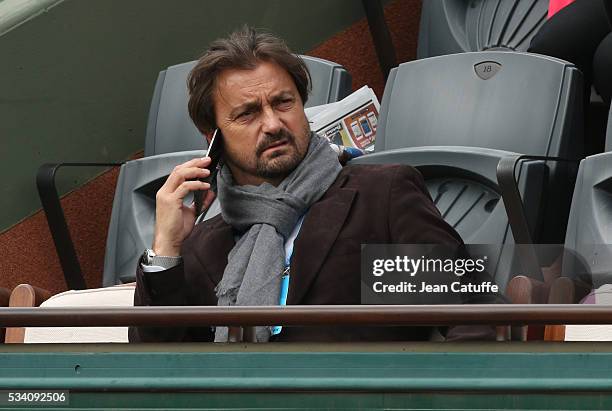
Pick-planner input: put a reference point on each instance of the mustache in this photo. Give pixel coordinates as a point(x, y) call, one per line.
point(271, 139)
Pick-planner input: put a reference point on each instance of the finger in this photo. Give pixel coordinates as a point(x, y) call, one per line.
point(179, 175)
point(188, 186)
point(196, 162)
point(200, 162)
point(206, 161)
point(193, 172)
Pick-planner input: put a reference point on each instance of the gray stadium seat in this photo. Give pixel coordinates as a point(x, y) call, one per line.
point(587, 257)
point(531, 105)
point(457, 26)
point(515, 102)
point(454, 121)
point(169, 128)
point(589, 232)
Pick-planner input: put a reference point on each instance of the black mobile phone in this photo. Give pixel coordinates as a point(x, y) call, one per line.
point(215, 152)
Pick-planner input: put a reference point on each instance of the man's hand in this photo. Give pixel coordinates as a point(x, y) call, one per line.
point(174, 220)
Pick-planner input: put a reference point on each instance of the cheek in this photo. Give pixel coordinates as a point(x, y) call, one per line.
point(238, 140)
point(237, 153)
point(305, 132)
point(240, 150)
point(304, 145)
point(301, 129)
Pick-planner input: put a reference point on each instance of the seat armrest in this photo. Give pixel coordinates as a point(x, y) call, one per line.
point(563, 290)
point(524, 290)
point(50, 200)
point(24, 295)
point(385, 51)
point(506, 178)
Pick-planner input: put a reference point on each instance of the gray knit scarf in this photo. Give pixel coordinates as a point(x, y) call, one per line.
point(266, 215)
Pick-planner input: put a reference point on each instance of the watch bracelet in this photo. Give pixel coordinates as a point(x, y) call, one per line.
point(166, 262)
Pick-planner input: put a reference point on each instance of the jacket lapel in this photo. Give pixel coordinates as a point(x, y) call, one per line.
point(214, 258)
point(320, 229)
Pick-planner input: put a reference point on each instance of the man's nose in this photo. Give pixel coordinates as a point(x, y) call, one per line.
point(271, 122)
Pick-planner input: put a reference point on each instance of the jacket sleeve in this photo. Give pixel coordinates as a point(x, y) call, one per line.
point(414, 219)
point(165, 288)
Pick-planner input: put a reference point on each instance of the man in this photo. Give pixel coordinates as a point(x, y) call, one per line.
point(290, 212)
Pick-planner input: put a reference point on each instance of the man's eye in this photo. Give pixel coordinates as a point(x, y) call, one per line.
point(285, 103)
point(244, 115)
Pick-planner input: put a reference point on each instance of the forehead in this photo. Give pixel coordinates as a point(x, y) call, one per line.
point(235, 86)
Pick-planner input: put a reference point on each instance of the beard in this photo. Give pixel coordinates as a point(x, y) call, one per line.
point(280, 163)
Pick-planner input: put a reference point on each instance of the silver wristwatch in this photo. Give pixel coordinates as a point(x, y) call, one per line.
point(150, 258)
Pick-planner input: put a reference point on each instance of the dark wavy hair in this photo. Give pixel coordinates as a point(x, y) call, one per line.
point(243, 50)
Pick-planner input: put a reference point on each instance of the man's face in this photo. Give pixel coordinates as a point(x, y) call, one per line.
point(261, 115)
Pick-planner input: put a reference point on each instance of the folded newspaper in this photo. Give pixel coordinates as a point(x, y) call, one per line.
point(350, 122)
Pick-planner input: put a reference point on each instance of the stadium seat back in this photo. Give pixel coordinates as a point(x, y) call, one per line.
point(458, 26)
point(518, 102)
point(508, 101)
point(589, 231)
point(588, 242)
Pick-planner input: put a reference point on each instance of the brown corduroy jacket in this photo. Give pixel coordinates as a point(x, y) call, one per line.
point(374, 204)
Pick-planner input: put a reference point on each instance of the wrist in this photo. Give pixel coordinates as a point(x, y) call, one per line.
point(166, 252)
point(164, 249)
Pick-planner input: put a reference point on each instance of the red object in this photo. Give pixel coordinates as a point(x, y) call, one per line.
point(555, 5)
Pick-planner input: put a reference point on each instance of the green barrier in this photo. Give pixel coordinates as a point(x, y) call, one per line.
point(253, 379)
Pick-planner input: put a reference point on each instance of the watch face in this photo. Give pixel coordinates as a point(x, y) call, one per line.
point(147, 256)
